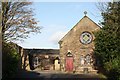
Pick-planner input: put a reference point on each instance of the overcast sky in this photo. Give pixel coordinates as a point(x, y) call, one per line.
point(57, 18)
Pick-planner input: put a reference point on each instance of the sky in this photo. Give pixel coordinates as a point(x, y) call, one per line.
point(56, 19)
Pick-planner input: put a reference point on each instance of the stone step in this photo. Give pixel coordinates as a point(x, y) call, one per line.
point(89, 71)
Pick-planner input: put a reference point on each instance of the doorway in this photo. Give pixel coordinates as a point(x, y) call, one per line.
point(69, 62)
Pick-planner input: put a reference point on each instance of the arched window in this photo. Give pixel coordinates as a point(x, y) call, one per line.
point(88, 59)
point(82, 60)
point(36, 61)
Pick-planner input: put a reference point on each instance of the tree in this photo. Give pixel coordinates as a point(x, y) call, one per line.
point(18, 21)
point(0, 20)
point(107, 42)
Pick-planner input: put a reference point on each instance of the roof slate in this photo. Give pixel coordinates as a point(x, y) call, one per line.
point(43, 51)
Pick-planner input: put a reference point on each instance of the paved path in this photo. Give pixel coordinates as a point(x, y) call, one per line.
point(53, 75)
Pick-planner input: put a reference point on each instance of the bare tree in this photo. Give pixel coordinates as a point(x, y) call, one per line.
point(0, 19)
point(102, 6)
point(18, 21)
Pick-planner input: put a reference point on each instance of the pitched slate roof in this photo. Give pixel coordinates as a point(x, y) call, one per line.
point(43, 51)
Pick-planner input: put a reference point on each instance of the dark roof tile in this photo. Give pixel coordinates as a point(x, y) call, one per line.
point(43, 51)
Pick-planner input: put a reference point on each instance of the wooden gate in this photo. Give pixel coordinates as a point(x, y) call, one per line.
point(69, 63)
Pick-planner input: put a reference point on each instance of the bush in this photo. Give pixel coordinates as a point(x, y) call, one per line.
point(113, 69)
point(10, 60)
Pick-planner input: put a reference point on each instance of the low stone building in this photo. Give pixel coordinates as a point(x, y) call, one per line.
point(44, 59)
point(76, 47)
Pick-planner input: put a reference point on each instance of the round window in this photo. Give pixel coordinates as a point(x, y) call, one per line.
point(86, 38)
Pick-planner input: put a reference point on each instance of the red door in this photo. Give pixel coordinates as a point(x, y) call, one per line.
point(69, 64)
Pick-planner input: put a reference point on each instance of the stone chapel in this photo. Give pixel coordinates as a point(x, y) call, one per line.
point(75, 53)
point(76, 47)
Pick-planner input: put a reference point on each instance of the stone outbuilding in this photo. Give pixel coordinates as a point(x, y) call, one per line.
point(44, 59)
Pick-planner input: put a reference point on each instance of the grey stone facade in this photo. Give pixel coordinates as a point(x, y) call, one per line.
point(71, 43)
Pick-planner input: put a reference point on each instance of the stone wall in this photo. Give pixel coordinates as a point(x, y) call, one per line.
point(23, 55)
point(50, 61)
point(25, 60)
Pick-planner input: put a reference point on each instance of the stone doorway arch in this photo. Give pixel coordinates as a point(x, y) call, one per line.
point(57, 64)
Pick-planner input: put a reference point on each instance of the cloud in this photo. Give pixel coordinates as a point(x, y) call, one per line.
point(57, 36)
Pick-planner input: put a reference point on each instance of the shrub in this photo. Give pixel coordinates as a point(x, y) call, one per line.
point(10, 60)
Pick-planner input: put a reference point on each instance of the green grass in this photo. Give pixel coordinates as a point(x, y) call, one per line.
point(102, 76)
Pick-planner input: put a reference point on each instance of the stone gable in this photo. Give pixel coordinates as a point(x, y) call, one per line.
point(84, 24)
point(71, 43)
